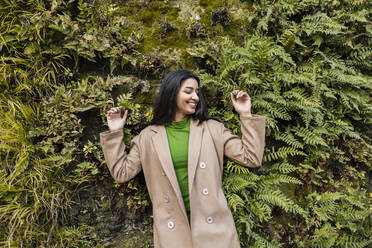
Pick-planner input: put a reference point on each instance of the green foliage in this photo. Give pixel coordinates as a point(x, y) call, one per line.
point(313, 96)
point(306, 65)
point(77, 237)
point(32, 202)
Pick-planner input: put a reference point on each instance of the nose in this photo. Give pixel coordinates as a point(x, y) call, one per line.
point(195, 97)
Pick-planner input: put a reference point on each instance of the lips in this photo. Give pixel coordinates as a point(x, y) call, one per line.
point(192, 104)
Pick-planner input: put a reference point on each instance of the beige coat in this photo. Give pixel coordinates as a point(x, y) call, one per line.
point(212, 224)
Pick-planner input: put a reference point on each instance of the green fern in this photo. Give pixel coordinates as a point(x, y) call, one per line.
point(309, 137)
point(281, 153)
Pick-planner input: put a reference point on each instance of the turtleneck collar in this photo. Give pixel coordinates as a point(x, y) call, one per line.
point(180, 124)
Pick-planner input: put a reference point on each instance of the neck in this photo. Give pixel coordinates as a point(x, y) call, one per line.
point(179, 117)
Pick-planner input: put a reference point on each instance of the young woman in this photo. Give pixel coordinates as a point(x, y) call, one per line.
point(181, 154)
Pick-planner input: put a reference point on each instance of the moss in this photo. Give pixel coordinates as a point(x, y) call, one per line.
point(106, 232)
point(148, 22)
point(209, 5)
point(134, 240)
point(150, 17)
point(106, 205)
point(100, 226)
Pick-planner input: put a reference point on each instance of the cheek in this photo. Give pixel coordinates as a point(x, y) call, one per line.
point(180, 101)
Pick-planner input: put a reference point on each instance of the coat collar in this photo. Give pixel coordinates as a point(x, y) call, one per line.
point(160, 143)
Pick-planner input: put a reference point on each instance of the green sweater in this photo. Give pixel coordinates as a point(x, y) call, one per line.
point(178, 139)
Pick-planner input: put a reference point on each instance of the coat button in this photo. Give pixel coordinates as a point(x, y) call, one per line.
point(209, 219)
point(205, 191)
point(166, 198)
point(170, 224)
point(202, 165)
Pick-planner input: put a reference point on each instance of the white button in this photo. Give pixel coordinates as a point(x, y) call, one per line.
point(162, 172)
point(166, 198)
point(170, 224)
point(209, 219)
point(205, 191)
point(203, 165)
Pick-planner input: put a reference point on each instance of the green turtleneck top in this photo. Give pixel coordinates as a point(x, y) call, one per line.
point(178, 139)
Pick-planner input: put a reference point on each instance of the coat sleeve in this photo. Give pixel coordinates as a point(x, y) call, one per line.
point(249, 149)
point(122, 166)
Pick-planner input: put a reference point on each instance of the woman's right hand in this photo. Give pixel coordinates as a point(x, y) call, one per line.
point(114, 119)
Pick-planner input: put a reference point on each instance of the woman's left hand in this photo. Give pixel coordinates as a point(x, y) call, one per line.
point(241, 102)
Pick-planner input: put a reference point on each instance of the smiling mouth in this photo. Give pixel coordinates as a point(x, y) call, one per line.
point(193, 104)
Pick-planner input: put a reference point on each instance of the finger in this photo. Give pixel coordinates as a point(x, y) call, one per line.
point(110, 116)
point(244, 94)
point(232, 95)
point(238, 94)
point(121, 111)
point(125, 115)
point(116, 109)
point(114, 112)
point(247, 97)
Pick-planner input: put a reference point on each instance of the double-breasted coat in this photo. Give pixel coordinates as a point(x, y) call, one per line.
point(211, 222)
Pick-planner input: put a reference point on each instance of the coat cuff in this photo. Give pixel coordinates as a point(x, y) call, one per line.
point(108, 135)
point(253, 131)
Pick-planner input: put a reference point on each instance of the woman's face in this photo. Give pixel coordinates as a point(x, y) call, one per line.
point(187, 98)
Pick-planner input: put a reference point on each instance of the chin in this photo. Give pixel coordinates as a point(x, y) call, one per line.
point(191, 112)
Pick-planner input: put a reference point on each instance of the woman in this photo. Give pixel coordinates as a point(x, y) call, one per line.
point(181, 154)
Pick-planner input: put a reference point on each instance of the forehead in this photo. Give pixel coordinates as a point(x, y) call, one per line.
point(190, 82)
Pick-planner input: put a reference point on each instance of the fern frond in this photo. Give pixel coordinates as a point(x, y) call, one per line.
point(325, 237)
point(233, 167)
point(284, 167)
point(348, 241)
point(281, 153)
point(321, 23)
point(277, 198)
point(260, 242)
point(278, 179)
point(309, 137)
point(237, 182)
point(302, 97)
point(235, 201)
point(289, 138)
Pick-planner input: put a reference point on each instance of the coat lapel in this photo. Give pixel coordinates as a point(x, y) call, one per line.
point(160, 143)
point(195, 141)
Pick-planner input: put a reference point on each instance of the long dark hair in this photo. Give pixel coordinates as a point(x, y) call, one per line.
point(165, 105)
